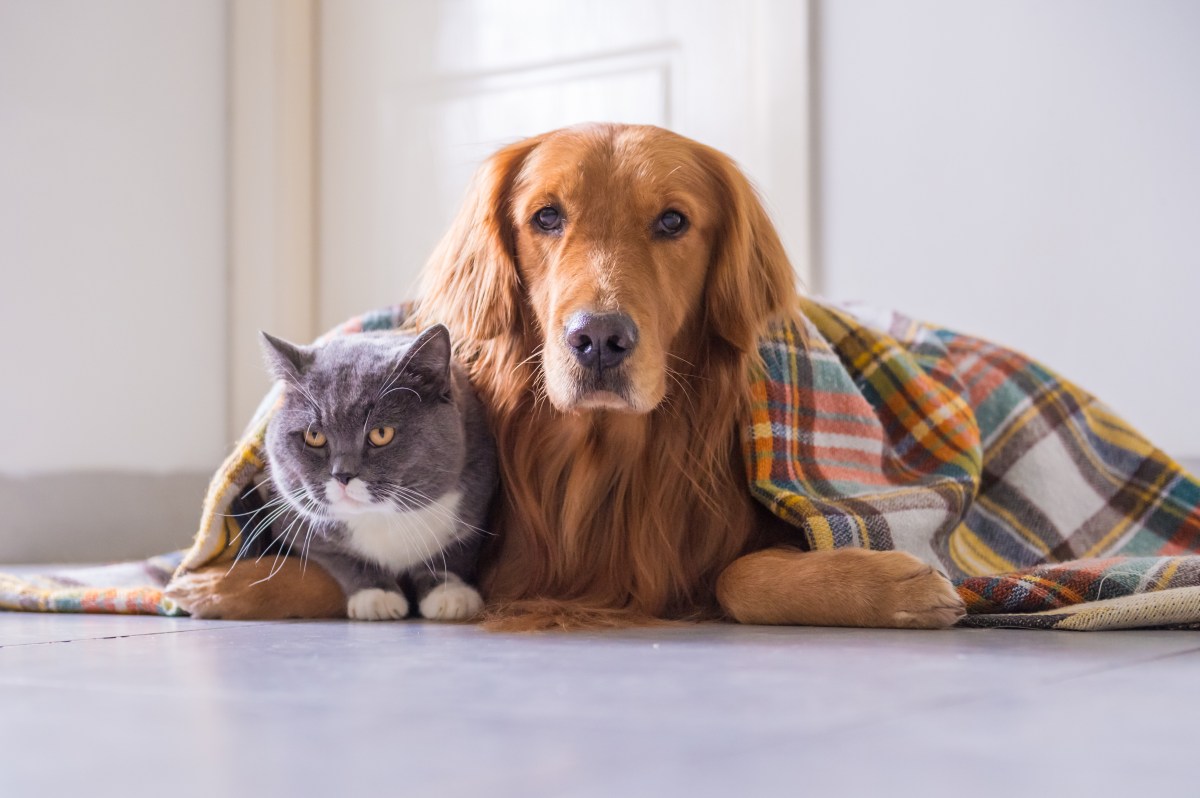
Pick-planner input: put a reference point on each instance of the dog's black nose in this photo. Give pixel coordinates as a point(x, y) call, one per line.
point(601, 340)
point(344, 477)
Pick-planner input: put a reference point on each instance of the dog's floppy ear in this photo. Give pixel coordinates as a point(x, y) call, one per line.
point(471, 281)
point(750, 279)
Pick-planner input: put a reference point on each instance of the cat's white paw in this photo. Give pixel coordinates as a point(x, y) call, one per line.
point(374, 604)
point(451, 601)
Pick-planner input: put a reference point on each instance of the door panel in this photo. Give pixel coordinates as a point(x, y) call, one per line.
point(415, 95)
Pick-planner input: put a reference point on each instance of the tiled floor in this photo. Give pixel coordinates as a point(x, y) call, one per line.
point(99, 706)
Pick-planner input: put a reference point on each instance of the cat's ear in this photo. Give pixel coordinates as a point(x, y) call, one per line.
point(285, 361)
point(428, 361)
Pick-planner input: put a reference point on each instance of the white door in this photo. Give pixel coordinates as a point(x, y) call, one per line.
point(415, 94)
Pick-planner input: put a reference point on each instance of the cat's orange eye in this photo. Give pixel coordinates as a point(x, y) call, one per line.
point(381, 436)
point(314, 438)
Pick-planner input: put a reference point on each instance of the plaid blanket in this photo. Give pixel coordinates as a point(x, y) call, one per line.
point(870, 429)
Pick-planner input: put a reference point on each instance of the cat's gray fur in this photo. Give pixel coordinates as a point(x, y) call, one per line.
point(441, 450)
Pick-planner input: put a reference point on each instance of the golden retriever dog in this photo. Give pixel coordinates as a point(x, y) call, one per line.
point(606, 286)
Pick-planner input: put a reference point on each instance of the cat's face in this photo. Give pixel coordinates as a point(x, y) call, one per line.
point(368, 423)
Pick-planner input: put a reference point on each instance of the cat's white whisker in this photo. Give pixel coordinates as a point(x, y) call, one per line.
point(402, 388)
point(264, 524)
point(275, 566)
point(270, 503)
point(432, 535)
point(291, 383)
point(427, 557)
point(392, 379)
point(284, 536)
point(395, 370)
point(308, 532)
point(434, 507)
point(439, 511)
point(256, 486)
point(422, 538)
point(444, 515)
point(277, 541)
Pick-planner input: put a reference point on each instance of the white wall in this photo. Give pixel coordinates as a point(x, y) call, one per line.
point(1028, 171)
point(1025, 170)
point(112, 235)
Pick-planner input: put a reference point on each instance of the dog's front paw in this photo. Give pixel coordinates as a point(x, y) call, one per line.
point(919, 596)
point(838, 587)
point(265, 590)
point(374, 604)
point(451, 601)
point(197, 593)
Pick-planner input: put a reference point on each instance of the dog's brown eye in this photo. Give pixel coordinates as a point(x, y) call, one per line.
point(671, 223)
point(549, 219)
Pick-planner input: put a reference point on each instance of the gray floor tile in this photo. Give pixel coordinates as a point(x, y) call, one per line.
point(412, 708)
point(1118, 731)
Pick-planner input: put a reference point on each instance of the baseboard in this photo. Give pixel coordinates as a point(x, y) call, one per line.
point(97, 516)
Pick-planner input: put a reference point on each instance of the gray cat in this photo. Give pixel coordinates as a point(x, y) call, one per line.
point(383, 469)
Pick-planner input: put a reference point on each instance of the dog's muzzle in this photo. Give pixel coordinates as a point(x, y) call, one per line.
point(601, 343)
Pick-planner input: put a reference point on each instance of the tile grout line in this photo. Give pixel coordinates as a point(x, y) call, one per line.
point(136, 634)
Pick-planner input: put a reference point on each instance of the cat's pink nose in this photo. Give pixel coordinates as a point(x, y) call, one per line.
point(344, 477)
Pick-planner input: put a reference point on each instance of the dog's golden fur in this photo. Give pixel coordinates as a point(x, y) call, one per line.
point(619, 508)
point(604, 508)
